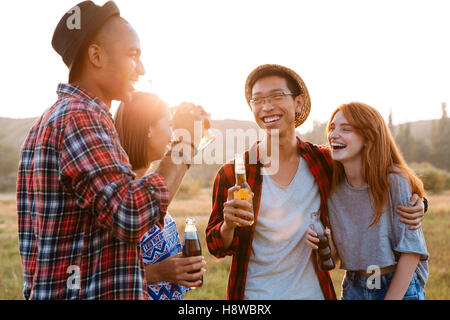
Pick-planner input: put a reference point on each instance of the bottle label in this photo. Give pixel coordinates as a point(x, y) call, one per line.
point(242, 194)
point(190, 235)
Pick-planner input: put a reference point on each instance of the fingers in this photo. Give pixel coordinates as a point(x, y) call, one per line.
point(410, 216)
point(416, 227)
point(191, 109)
point(238, 212)
point(311, 243)
point(196, 261)
point(311, 238)
point(413, 222)
point(193, 279)
point(231, 191)
point(235, 219)
point(414, 199)
point(311, 232)
point(236, 203)
point(415, 209)
point(190, 284)
point(188, 268)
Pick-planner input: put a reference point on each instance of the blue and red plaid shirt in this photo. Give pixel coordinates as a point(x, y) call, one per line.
point(319, 163)
point(80, 214)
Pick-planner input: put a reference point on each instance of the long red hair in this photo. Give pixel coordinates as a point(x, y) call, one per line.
point(380, 156)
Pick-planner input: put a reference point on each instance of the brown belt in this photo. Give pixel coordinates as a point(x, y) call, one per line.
point(384, 270)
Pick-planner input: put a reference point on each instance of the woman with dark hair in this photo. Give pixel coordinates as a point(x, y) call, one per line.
point(144, 129)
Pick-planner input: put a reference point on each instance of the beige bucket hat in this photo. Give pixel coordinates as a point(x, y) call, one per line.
point(301, 116)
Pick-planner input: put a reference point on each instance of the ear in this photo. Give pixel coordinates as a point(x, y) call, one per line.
point(299, 101)
point(96, 55)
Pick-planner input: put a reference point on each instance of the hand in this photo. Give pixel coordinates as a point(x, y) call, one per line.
point(237, 211)
point(311, 238)
point(175, 269)
point(160, 222)
point(414, 214)
point(185, 117)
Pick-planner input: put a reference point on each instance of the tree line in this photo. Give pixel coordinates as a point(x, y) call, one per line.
point(428, 154)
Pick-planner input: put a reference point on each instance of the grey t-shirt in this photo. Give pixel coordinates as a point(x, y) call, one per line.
point(350, 214)
point(281, 262)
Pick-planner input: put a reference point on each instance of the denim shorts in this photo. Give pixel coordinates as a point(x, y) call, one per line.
point(354, 287)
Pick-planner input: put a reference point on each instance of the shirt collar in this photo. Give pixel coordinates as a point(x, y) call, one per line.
point(78, 92)
point(254, 151)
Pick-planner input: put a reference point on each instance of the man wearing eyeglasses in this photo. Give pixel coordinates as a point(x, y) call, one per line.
point(270, 257)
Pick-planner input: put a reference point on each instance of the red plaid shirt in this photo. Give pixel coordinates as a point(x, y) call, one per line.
point(80, 214)
point(319, 163)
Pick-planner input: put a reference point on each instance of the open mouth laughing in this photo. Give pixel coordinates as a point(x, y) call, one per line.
point(336, 146)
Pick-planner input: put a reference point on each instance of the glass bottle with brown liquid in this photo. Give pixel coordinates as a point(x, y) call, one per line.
point(326, 262)
point(191, 243)
point(245, 192)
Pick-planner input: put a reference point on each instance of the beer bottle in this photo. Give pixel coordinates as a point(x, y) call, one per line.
point(326, 262)
point(191, 243)
point(245, 192)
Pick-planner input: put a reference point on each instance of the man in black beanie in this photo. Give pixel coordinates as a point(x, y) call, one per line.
point(81, 215)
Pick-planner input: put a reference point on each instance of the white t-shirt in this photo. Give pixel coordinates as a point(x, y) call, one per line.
point(281, 265)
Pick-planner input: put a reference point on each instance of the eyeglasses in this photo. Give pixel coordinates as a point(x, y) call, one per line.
point(272, 99)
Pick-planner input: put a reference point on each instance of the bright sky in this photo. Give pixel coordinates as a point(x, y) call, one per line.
point(389, 54)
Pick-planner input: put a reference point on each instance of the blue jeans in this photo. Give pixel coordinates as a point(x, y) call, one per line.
point(354, 287)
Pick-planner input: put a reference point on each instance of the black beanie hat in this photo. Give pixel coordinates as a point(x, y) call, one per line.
point(78, 26)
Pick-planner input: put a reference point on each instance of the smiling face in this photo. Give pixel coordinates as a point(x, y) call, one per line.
point(122, 66)
point(111, 62)
point(278, 113)
point(345, 142)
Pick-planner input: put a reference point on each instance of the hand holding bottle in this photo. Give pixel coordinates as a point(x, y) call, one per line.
point(313, 239)
point(186, 271)
point(237, 211)
point(319, 239)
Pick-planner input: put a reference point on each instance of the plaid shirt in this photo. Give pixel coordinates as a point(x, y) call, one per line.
point(319, 163)
point(78, 207)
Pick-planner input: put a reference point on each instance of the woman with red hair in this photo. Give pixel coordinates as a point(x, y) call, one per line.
point(370, 178)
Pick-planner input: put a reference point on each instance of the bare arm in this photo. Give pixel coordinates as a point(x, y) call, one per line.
point(172, 173)
point(183, 124)
point(400, 282)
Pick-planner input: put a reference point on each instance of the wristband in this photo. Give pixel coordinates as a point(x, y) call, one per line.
point(425, 205)
point(190, 144)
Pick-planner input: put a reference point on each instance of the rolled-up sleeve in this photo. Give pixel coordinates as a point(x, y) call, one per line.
point(96, 170)
point(407, 241)
point(213, 238)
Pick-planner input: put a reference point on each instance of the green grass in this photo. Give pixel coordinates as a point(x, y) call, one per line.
point(436, 228)
point(11, 278)
point(215, 278)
